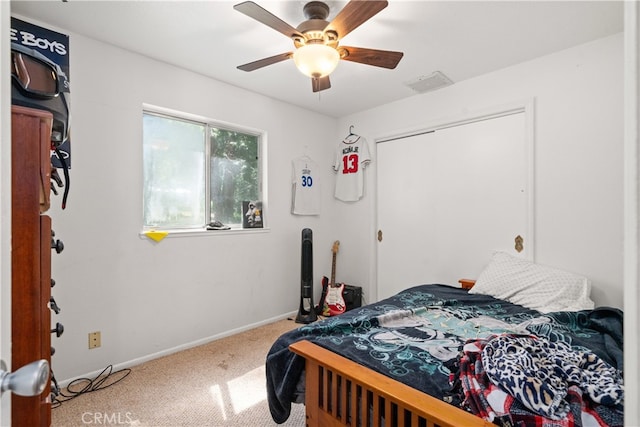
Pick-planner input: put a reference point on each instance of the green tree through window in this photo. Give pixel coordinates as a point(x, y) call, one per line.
point(234, 173)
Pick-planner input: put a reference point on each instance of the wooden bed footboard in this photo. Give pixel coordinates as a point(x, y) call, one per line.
point(339, 392)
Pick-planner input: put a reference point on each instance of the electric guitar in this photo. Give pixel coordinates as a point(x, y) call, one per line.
point(334, 303)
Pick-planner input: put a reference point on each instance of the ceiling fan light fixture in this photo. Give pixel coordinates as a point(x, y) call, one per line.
point(316, 59)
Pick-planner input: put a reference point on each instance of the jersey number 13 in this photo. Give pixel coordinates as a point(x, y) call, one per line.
point(350, 164)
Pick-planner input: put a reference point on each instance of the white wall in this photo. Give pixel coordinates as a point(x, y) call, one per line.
point(632, 209)
point(578, 157)
point(147, 298)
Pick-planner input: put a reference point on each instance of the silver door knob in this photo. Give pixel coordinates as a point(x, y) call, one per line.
point(30, 380)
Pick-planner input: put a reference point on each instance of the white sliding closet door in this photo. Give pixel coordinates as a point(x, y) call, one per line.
point(448, 199)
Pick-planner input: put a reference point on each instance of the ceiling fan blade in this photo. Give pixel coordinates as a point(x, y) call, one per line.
point(264, 62)
point(375, 57)
point(321, 83)
point(262, 15)
point(354, 14)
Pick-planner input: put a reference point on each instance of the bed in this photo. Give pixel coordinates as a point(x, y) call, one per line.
point(439, 355)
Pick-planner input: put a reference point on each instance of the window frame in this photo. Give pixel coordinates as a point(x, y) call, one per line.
point(209, 123)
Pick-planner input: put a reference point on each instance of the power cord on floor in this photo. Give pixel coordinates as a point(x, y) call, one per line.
point(80, 386)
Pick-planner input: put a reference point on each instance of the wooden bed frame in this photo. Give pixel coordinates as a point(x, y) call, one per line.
point(340, 392)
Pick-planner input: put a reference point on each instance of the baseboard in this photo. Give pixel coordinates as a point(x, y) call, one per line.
point(186, 346)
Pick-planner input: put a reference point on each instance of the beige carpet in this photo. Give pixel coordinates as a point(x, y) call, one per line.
point(218, 384)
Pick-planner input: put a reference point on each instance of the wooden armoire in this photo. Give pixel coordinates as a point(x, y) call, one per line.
point(31, 255)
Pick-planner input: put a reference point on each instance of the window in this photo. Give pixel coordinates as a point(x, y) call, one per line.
point(196, 172)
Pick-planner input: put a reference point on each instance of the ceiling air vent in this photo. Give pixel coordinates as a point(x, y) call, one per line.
point(433, 81)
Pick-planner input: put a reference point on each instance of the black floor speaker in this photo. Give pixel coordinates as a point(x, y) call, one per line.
point(306, 311)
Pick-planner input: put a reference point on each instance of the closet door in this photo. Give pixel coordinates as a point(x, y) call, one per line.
point(447, 199)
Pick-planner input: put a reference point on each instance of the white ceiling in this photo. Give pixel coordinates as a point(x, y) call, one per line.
point(462, 39)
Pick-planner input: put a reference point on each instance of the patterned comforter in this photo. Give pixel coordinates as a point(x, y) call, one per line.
point(417, 337)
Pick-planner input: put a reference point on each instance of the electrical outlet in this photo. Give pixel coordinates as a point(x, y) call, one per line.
point(94, 340)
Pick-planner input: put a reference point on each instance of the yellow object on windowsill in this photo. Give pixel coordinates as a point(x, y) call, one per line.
point(156, 235)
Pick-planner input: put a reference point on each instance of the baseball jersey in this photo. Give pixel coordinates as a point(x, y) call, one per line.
point(351, 158)
point(305, 192)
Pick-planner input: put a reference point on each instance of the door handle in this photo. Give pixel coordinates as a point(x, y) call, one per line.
point(29, 380)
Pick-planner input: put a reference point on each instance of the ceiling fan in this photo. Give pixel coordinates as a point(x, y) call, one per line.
point(317, 41)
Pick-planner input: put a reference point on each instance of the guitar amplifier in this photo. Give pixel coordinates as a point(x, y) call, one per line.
point(352, 296)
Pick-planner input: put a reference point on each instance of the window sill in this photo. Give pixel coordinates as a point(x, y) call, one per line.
point(203, 232)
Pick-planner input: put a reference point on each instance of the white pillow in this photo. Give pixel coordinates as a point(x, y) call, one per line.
point(532, 285)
